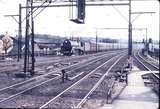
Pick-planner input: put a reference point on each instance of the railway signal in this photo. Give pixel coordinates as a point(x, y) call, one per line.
point(81, 9)
point(80, 4)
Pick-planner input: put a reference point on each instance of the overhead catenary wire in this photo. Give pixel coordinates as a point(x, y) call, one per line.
point(120, 13)
point(43, 9)
point(34, 10)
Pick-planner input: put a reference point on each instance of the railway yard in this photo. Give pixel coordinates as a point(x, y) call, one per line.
point(86, 79)
point(81, 54)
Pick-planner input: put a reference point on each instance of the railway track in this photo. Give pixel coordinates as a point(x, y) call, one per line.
point(13, 66)
point(13, 80)
point(147, 66)
point(77, 94)
point(148, 59)
point(143, 64)
point(39, 62)
point(7, 75)
point(107, 89)
point(53, 81)
point(71, 67)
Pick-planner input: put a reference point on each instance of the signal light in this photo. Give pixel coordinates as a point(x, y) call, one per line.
point(80, 12)
point(81, 9)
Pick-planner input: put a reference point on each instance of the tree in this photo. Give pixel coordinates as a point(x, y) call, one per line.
point(7, 42)
point(1, 46)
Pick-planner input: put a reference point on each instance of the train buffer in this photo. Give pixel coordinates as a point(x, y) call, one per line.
point(135, 95)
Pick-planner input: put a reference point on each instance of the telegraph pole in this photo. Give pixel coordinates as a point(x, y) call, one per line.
point(96, 41)
point(129, 33)
point(19, 30)
point(20, 34)
point(146, 41)
point(26, 57)
point(32, 40)
point(138, 14)
point(146, 35)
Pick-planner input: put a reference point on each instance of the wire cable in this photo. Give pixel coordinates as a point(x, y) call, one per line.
point(34, 10)
point(120, 13)
point(43, 9)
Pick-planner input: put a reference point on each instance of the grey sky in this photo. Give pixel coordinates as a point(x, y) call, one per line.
point(55, 21)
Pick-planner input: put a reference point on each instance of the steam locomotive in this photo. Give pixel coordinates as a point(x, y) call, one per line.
point(66, 48)
point(77, 47)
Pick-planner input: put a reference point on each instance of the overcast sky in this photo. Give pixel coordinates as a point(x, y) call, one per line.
point(55, 21)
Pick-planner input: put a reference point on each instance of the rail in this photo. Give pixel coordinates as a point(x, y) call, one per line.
point(147, 61)
point(145, 65)
point(96, 85)
point(39, 84)
point(41, 76)
point(153, 77)
point(157, 77)
point(47, 103)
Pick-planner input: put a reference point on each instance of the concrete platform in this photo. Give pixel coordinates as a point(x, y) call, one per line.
point(136, 95)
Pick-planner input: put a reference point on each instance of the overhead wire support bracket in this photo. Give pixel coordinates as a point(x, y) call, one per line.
point(13, 16)
point(29, 14)
point(140, 13)
point(19, 30)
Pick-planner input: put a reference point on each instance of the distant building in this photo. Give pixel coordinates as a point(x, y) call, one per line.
point(44, 44)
